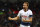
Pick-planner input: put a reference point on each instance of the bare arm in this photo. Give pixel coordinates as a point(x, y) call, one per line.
point(30, 20)
point(16, 18)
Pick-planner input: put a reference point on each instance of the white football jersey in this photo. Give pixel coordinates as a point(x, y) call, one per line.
point(25, 15)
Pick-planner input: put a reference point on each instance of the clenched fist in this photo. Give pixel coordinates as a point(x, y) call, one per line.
point(9, 18)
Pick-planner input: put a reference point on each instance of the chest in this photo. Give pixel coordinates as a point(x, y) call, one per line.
point(26, 14)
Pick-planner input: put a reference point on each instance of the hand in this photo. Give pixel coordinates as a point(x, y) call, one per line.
point(9, 18)
point(23, 20)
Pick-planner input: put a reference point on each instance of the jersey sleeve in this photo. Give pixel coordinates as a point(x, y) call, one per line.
point(19, 14)
point(31, 14)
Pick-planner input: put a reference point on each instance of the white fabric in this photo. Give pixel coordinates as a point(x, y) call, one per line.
point(23, 25)
point(24, 15)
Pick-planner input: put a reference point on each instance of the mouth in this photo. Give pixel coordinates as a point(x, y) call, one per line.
point(23, 7)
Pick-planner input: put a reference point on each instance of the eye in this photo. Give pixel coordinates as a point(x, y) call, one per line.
point(27, 5)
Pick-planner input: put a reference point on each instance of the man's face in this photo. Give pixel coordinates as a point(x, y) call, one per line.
point(25, 6)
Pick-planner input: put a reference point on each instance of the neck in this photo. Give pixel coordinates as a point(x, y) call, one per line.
point(25, 10)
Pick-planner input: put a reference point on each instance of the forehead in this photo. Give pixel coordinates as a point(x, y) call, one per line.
point(24, 3)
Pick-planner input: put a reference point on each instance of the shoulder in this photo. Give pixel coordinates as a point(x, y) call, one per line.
point(21, 10)
point(29, 10)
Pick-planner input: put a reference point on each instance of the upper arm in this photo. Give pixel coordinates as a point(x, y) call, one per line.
point(19, 14)
point(17, 17)
point(30, 15)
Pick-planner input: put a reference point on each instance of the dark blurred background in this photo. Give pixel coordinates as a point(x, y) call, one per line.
point(12, 7)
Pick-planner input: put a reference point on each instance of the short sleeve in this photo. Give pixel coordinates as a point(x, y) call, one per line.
point(30, 14)
point(19, 14)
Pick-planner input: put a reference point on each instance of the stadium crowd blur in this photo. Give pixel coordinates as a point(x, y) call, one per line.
point(12, 8)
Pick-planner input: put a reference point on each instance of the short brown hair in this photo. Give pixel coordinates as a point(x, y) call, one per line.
point(27, 3)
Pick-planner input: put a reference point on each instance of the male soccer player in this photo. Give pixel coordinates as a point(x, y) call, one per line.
point(26, 16)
